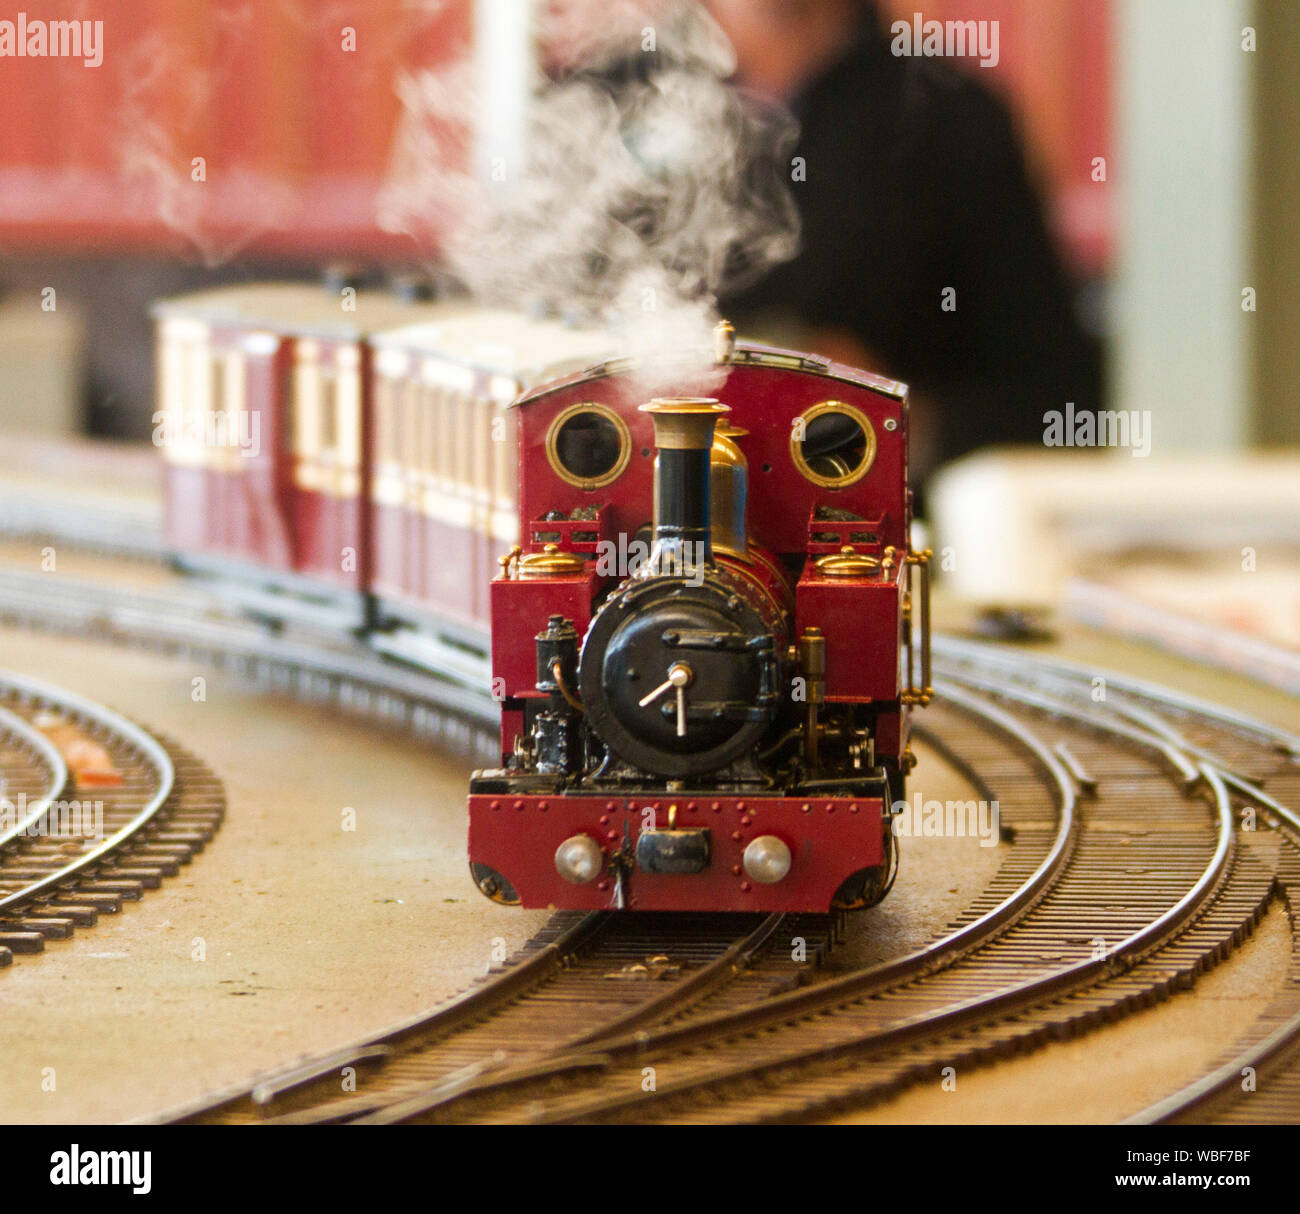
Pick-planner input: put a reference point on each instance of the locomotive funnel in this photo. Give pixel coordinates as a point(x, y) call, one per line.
point(684, 437)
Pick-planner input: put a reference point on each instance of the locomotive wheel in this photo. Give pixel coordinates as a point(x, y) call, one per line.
point(868, 886)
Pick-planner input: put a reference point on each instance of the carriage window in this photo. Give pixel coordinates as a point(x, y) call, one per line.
point(833, 444)
point(480, 454)
point(329, 406)
point(347, 413)
point(588, 445)
point(385, 394)
point(502, 436)
point(447, 446)
point(183, 382)
point(231, 428)
point(401, 391)
point(422, 427)
point(433, 445)
point(198, 398)
point(399, 443)
point(415, 426)
point(442, 453)
point(459, 438)
point(304, 409)
point(236, 383)
point(217, 401)
point(464, 423)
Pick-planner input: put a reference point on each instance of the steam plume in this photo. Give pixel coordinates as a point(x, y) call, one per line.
point(647, 187)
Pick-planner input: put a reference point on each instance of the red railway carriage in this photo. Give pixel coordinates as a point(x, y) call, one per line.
point(264, 394)
point(348, 457)
point(443, 471)
point(699, 649)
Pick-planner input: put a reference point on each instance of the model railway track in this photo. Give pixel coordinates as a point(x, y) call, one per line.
point(582, 977)
point(1227, 759)
point(1258, 1076)
point(335, 672)
point(105, 526)
point(34, 775)
point(140, 808)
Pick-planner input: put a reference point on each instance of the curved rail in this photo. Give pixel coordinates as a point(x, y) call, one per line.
point(53, 762)
point(1221, 1083)
point(986, 654)
point(179, 620)
point(34, 691)
point(1224, 1081)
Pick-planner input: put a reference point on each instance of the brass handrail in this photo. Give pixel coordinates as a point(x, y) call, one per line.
point(923, 694)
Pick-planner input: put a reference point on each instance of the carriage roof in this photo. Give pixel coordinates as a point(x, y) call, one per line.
point(503, 342)
point(304, 309)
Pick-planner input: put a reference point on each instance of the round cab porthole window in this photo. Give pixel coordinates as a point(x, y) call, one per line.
point(833, 444)
point(588, 445)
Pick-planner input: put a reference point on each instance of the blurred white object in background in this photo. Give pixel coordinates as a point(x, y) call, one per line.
point(1013, 527)
point(42, 365)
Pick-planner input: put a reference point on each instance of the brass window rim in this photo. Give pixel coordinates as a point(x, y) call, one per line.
point(868, 455)
point(624, 440)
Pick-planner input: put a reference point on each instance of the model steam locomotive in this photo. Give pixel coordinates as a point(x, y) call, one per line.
point(701, 635)
point(725, 725)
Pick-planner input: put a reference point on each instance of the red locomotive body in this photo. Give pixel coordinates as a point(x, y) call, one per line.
point(699, 647)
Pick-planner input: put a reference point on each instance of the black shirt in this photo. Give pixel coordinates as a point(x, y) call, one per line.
point(915, 183)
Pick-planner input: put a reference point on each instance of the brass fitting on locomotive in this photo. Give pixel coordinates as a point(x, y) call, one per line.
point(812, 666)
point(728, 490)
point(916, 694)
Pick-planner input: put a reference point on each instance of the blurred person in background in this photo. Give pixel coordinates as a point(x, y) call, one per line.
point(916, 196)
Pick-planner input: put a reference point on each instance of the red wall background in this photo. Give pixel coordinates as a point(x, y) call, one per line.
point(296, 131)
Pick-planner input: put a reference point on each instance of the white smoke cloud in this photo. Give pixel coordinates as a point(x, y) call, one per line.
point(594, 34)
point(637, 203)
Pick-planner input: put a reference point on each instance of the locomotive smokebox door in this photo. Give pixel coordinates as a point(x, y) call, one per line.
point(673, 851)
